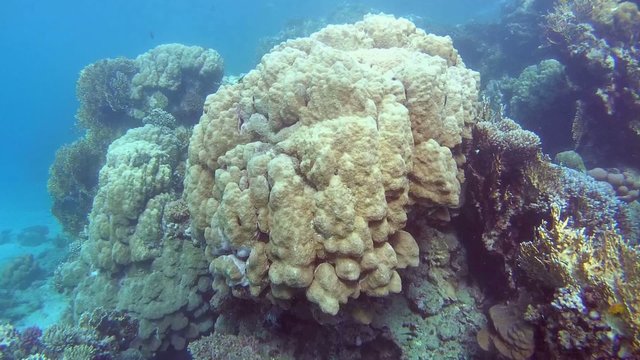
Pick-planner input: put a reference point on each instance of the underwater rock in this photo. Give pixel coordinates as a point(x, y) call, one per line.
point(570, 159)
point(20, 273)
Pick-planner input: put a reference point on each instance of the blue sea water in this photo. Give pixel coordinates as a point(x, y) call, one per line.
point(45, 44)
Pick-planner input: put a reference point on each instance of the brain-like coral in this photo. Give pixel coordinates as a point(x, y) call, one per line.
point(301, 175)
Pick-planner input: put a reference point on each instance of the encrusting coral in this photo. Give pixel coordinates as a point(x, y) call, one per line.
point(301, 175)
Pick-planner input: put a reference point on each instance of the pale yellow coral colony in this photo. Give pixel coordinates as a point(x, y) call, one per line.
point(301, 175)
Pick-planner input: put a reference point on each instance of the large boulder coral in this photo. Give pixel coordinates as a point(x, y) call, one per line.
point(541, 99)
point(137, 257)
point(301, 175)
point(124, 221)
point(165, 85)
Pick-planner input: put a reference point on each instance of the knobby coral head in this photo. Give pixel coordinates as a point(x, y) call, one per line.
point(321, 151)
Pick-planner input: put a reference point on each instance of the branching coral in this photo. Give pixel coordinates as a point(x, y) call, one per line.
point(301, 175)
point(104, 92)
point(73, 178)
point(562, 256)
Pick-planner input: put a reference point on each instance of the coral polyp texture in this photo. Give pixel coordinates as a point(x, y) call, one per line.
point(138, 257)
point(164, 86)
point(301, 175)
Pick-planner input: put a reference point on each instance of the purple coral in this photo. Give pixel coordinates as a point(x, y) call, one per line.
point(30, 340)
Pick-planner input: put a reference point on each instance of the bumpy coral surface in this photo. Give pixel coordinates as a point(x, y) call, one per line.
point(164, 86)
point(135, 258)
point(302, 173)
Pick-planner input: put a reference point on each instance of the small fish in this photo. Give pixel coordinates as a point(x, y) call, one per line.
point(152, 35)
point(616, 309)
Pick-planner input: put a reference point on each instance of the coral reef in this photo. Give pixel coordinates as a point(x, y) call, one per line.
point(164, 86)
point(301, 175)
point(33, 235)
point(317, 214)
point(393, 327)
point(138, 256)
point(578, 264)
point(100, 334)
point(20, 272)
point(541, 99)
point(511, 187)
point(19, 345)
point(599, 38)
